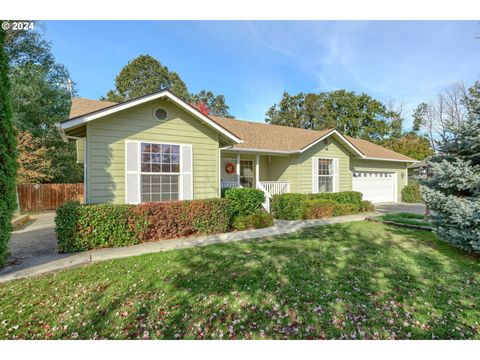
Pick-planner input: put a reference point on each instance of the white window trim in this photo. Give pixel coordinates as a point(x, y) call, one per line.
point(336, 172)
point(179, 173)
point(140, 173)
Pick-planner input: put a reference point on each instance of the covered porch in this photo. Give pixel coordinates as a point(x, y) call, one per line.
point(253, 170)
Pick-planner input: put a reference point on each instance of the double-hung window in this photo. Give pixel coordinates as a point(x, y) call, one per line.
point(160, 172)
point(326, 175)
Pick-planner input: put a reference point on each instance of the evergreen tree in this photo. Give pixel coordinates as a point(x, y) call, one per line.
point(145, 75)
point(453, 192)
point(8, 155)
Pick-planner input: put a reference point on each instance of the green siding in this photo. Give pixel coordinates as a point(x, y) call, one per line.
point(298, 168)
point(80, 147)
point(106, 149)
point(375, 165)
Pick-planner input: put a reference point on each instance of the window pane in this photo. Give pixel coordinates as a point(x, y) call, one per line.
point(160, 187)
point(155, 148)
point(160, 158)
point(325, 167)
point(325, 183)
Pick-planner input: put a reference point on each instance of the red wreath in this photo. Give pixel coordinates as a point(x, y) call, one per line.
point(230, 168)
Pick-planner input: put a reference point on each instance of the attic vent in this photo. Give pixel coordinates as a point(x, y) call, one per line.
point(325, 142)
point(160, 114)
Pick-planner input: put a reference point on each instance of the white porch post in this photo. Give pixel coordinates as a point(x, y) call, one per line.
point(257, 170)
point(238, 169)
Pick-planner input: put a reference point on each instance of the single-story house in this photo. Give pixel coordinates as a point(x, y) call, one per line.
point(159, 148)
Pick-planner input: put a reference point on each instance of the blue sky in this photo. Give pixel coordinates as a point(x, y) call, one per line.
point(253, 62)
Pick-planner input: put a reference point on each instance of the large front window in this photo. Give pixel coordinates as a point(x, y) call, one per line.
point(160, 172)
point(325, 175)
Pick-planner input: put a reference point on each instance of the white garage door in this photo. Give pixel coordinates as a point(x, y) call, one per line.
point(378, 187)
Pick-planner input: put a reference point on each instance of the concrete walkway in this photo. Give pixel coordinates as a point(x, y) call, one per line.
point(49, 260)
point(400, 207)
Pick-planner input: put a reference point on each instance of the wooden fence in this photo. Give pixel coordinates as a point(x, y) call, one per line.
point(38, 197)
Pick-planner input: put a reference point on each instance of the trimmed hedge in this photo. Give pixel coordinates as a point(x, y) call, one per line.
point(244, 201)
point(411, 193)
point(317, 208)
point(367, 206)
point(167, 220)
point(292, 206)
point(85, 227)
point(80, 227)
point(258, 220)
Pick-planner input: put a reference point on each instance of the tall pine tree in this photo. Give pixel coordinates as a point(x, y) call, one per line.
point(453, 192)
point(8, 155)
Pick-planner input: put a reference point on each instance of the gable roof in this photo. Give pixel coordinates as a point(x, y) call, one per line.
point(260, 136)
point(104, 108)
point(270, 137)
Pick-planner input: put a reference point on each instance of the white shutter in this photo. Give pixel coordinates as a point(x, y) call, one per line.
point(314, 175)
point(132, 172)
point(336, 177)
point(186, 173)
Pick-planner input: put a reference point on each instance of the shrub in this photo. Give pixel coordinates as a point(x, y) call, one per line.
point(344, 209)
point(317, 208)
point(344, 197)
point(411, 193)
point(287, 206)
point(244, 201)
point(85, 227)
point(168, 220)
point(258, 220)
point(291, 206)
point(367, 206)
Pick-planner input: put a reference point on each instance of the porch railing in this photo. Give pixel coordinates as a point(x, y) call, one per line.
point(266, 203)
point(276, 187)
point(268, 187)
point(230, 184)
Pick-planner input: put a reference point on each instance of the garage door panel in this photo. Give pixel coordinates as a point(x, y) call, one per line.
point(377, 187)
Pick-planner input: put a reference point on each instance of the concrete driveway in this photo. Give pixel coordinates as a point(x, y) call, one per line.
point(400, 207)
point(34, 243)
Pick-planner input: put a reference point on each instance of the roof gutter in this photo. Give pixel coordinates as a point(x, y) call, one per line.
point(255, 150)
point(64, 136)
point(385, 159)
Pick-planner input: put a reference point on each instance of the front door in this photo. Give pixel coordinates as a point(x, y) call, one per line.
point(246, 173)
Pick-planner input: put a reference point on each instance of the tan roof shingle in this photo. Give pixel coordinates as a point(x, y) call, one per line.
point(269, 137)
point(260, 135)
point(82, 106)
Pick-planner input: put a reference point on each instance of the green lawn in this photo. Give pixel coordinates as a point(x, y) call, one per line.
point(406, 218)
point(359, 280)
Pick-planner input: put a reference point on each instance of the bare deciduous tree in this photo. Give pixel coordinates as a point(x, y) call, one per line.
point(437, 117)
